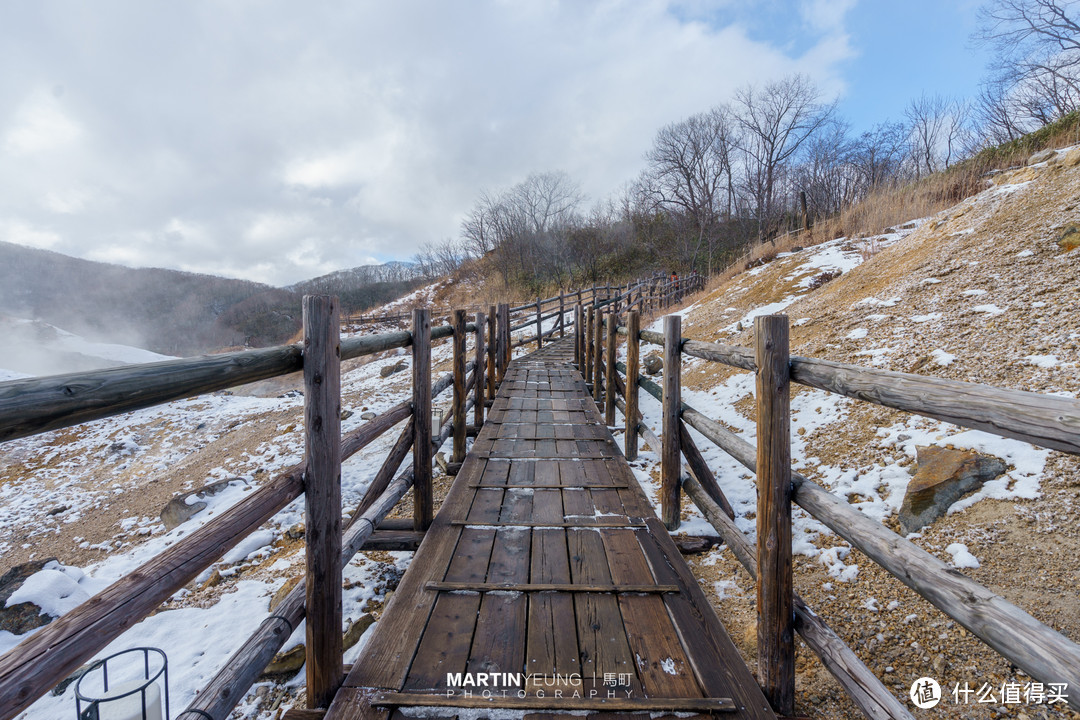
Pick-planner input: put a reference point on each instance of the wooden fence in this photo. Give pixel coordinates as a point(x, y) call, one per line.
point(36, 405)
point(1045, 420)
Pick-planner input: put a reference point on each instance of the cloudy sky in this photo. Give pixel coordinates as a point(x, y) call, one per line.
point(277, 141)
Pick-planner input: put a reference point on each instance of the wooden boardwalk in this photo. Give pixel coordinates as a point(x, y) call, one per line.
point(547, 563)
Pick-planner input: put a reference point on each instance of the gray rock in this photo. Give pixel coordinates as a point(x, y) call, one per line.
point(1041, 156)
point(943, 476)
point(22, 617)
point(653, 363)
point(178, 510)
point(368, 415)
point(346, 414)
point(389, 370)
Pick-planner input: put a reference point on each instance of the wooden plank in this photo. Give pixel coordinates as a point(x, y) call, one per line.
point(564, 703)
point(355, 704)
point(670, 453)
point(601, 636)
point(389, 653)
point(662, 665)
point(423, 503)
point(609, 369)
point(582, 523)
point(445, 645)
point(649, 588)
point(551, 649)
point(322, 497)
point(775, 626)
point(499, 641)
point(716, 661)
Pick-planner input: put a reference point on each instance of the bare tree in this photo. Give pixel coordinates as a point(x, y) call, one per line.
point(690, 170)
point(776, 120)
point(1036, 46)
point(938, 131)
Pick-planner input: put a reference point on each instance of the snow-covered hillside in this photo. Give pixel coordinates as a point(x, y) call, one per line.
point(33, 347)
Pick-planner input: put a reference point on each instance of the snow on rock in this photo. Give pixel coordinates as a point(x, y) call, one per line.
point(1043, 361)
point(249, 546)
point(943, 358)
point(961, 558)
point(51, 589)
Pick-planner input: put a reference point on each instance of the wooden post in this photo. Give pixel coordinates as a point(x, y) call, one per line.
point(633, 361)
point(504, 333)
point(322, 496)
point(491, 342)
point(579, 335)
point(481, 361)
point(458, 362)
point(671, 455)
point(775, 629)
point(609, 370)
point(590, 313)
point(423, 505)
point(562, 316)
point(539, 326)
point(598, 353)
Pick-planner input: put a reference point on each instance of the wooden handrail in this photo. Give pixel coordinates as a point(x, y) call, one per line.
point(1050, 421)
point(39, 662)
point(1037, 649)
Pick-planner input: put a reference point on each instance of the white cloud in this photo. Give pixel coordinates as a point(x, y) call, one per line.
point(289, 139)
point(38, 125)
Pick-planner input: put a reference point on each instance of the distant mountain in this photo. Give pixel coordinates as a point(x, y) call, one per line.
point(360, 288)
point(173, 312)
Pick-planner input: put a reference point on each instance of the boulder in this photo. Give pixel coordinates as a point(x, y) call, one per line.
point(942, 477)
point(180, 509)
point(389, 370)
point(356, 630)
point(288, 663)
point(25, 616)
point(1041, 156)
point(346, 414)
point(1069, 239)
point(653, 363)
point(368, 415)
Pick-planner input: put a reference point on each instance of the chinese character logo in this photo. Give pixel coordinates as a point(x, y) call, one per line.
point(925, 693)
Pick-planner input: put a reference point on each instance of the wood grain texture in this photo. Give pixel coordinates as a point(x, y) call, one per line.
point(776, 641)
point(862, 686)
point(492, 343)
point(633, 364)
point(609, 369)
point(481, 363)
point(458, 408)
point(423, 504)
point(598, 354)
point(671, 453)
point(322, 497)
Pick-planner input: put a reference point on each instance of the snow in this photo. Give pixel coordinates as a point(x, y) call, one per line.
point(249, 546)
point(668, 666)
point(1024, 253)
point(961, 558)
point(974, 292)
point(943, 358)
point(1043, 361)
point(988, 309)
point(52, 589)
point(929, 317)
point(857, 334)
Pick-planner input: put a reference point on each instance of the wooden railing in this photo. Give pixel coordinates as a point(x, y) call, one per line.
point(1045, 420)
point(36, 405)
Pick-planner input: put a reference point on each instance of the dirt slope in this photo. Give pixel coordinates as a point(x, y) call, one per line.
point(982, 293)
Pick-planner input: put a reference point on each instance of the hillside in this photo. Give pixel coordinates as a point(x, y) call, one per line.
point(982, 292)
point(173, 312)
point(986, 292)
